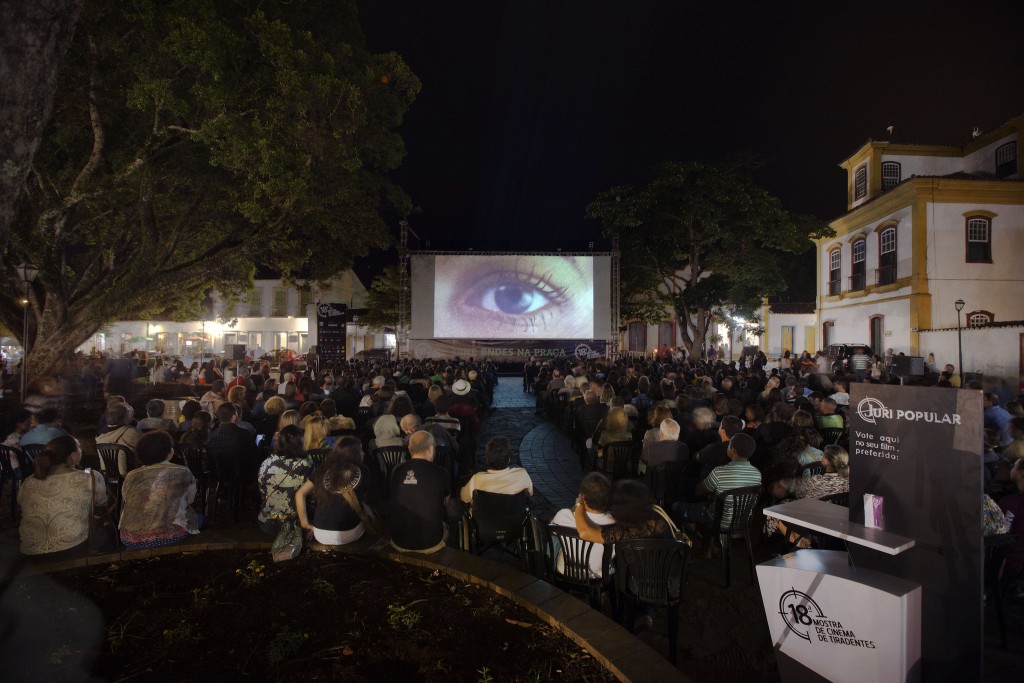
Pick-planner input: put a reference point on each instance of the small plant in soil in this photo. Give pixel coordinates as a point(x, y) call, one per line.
point(323, 588)
point(252, 573)
point(179, 633)
point(286, 643)
point(485, 675)
point(401, 617)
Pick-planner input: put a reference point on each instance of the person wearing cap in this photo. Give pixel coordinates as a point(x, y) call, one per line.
point(737, 473)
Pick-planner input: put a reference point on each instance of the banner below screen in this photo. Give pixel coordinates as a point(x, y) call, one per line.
point(508, 350)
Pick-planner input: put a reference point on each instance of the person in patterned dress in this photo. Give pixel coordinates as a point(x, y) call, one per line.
point(280, 476)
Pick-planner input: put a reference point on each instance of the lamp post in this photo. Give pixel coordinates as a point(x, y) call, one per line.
point(28, 273)
point(959, 303)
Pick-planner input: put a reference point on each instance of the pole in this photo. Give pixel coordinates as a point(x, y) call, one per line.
point(960, 347)
point(24, 348)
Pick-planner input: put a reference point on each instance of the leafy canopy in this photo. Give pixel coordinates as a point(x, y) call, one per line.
point(700, 239)
point(192, 142)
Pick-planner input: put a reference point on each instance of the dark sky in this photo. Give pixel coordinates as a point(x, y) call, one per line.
point(530, 109)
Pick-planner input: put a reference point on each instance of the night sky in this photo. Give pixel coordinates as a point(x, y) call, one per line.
point(530, 109)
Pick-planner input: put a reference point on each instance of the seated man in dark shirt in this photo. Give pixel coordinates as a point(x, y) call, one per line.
point(668, 449)
point(419, 492)
point(231, 451)
point(717, 454)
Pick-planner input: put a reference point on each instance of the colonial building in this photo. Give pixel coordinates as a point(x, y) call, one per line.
point(927, 226)
point(271, 316)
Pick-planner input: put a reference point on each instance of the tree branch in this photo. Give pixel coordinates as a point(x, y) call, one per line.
point(98, 136)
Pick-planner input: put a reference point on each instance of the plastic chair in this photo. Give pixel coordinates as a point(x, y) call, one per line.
point(652, 571)
point(664, 482)
point(8, 473)
point(386, 459)
point(195, 459)
point(741, 502)
point(811, 469)
point(565, 542)
point(317, 455)
point(619, 460)
point(996, 549)
point(224, 473)
point(831, 436)
point(31, 451)
point(838, 499)
point(502, 521)
point(110, 455)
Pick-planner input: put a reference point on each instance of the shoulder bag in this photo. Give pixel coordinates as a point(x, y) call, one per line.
point(677, 533)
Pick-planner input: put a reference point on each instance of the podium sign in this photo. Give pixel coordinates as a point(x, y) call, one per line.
point(330, 331)
point(832, 622)
point(920, 449)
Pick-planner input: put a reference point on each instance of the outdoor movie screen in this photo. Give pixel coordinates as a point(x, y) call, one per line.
point(510, 296)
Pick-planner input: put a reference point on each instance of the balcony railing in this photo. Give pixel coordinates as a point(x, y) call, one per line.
point(886, 275)
point(834, 287)
point(857, 282)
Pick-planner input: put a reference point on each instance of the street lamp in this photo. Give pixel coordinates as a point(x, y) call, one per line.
point(28, 273)
point(959, 303)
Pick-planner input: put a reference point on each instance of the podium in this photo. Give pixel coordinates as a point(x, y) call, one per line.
point(831, 621)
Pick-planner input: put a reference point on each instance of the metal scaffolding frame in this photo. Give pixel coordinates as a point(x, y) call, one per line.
point(613, 343)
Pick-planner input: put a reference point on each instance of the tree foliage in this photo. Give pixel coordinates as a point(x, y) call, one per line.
point(192, 141)
point(700, 240)
point(382, 300)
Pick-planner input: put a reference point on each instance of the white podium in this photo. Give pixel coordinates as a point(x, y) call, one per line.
point(830, 621)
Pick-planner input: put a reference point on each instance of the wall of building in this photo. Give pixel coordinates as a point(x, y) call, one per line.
point(853, 324)
point(983, 161)
point(911, 165)
point(996, 352)
point(771, 340)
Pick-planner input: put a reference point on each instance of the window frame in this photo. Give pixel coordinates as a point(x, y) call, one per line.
point(860, 182)
point(858, 284)
point(889, 182)
point(879, 343)
point(827, 332)
point(987, 256)
point(989, 318)
point(642, 336)
point(1004, 170)
point(835, 270)
point(887, 260)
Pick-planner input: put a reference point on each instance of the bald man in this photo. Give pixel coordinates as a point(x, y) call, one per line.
point(419, 492)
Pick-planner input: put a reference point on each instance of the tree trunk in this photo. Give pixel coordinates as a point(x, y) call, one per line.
point(34, 36)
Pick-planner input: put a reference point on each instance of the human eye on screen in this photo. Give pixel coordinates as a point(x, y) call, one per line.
point(517, 298)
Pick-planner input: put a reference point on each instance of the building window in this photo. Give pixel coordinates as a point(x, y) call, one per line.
point(280, 308)
point(886, 274)
point(305, 299)
point(666, 335)
point(979, 318)
point(890, 175)
point(827, 329)
point(857, 279)
point(979, 240)
point(255, 301)
point(637, 337)
point(1006, 160)
point(876, 332)
point(860, 183)
point(834, 271)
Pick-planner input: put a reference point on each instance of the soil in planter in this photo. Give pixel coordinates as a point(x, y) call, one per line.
point(339, 617)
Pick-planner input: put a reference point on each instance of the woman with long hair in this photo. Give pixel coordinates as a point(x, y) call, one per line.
point(56, 501)
point(314, 433)
point(339, 486)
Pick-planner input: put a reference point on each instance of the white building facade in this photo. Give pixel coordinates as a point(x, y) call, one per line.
point(271, 316)
point(928, 226)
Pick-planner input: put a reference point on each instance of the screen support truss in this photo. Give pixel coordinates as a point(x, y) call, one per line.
point(613, 342)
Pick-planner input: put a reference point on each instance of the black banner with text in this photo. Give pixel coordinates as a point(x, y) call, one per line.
point(330, 331)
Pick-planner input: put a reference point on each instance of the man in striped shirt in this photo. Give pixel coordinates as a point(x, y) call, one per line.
point(859, 363)
point(737, 473)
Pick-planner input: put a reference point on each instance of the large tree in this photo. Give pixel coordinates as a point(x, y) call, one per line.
point(702, 241)
point(192, 141)
point(34, 35)
point(382, 300)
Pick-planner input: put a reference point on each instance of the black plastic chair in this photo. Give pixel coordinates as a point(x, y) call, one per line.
point(8, 473)
point(831, 436)
point(31, 451)
point(110, 455)
point(195, 459)
point(225, 474)
point(386, 459)
point(996, 549)
point(317, 455)
point(664, 482)
point(741, 502)
point(502, 521)
point(811, 469)
point(619, 461)
point(564, 542)
point(838, 498)
point(652, 571)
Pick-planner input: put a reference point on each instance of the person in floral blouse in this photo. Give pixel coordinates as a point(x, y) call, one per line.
point(280, 476)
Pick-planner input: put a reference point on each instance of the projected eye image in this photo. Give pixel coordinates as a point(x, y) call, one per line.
point(514, 297)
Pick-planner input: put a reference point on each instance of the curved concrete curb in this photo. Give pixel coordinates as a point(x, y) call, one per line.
point(622, 653)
